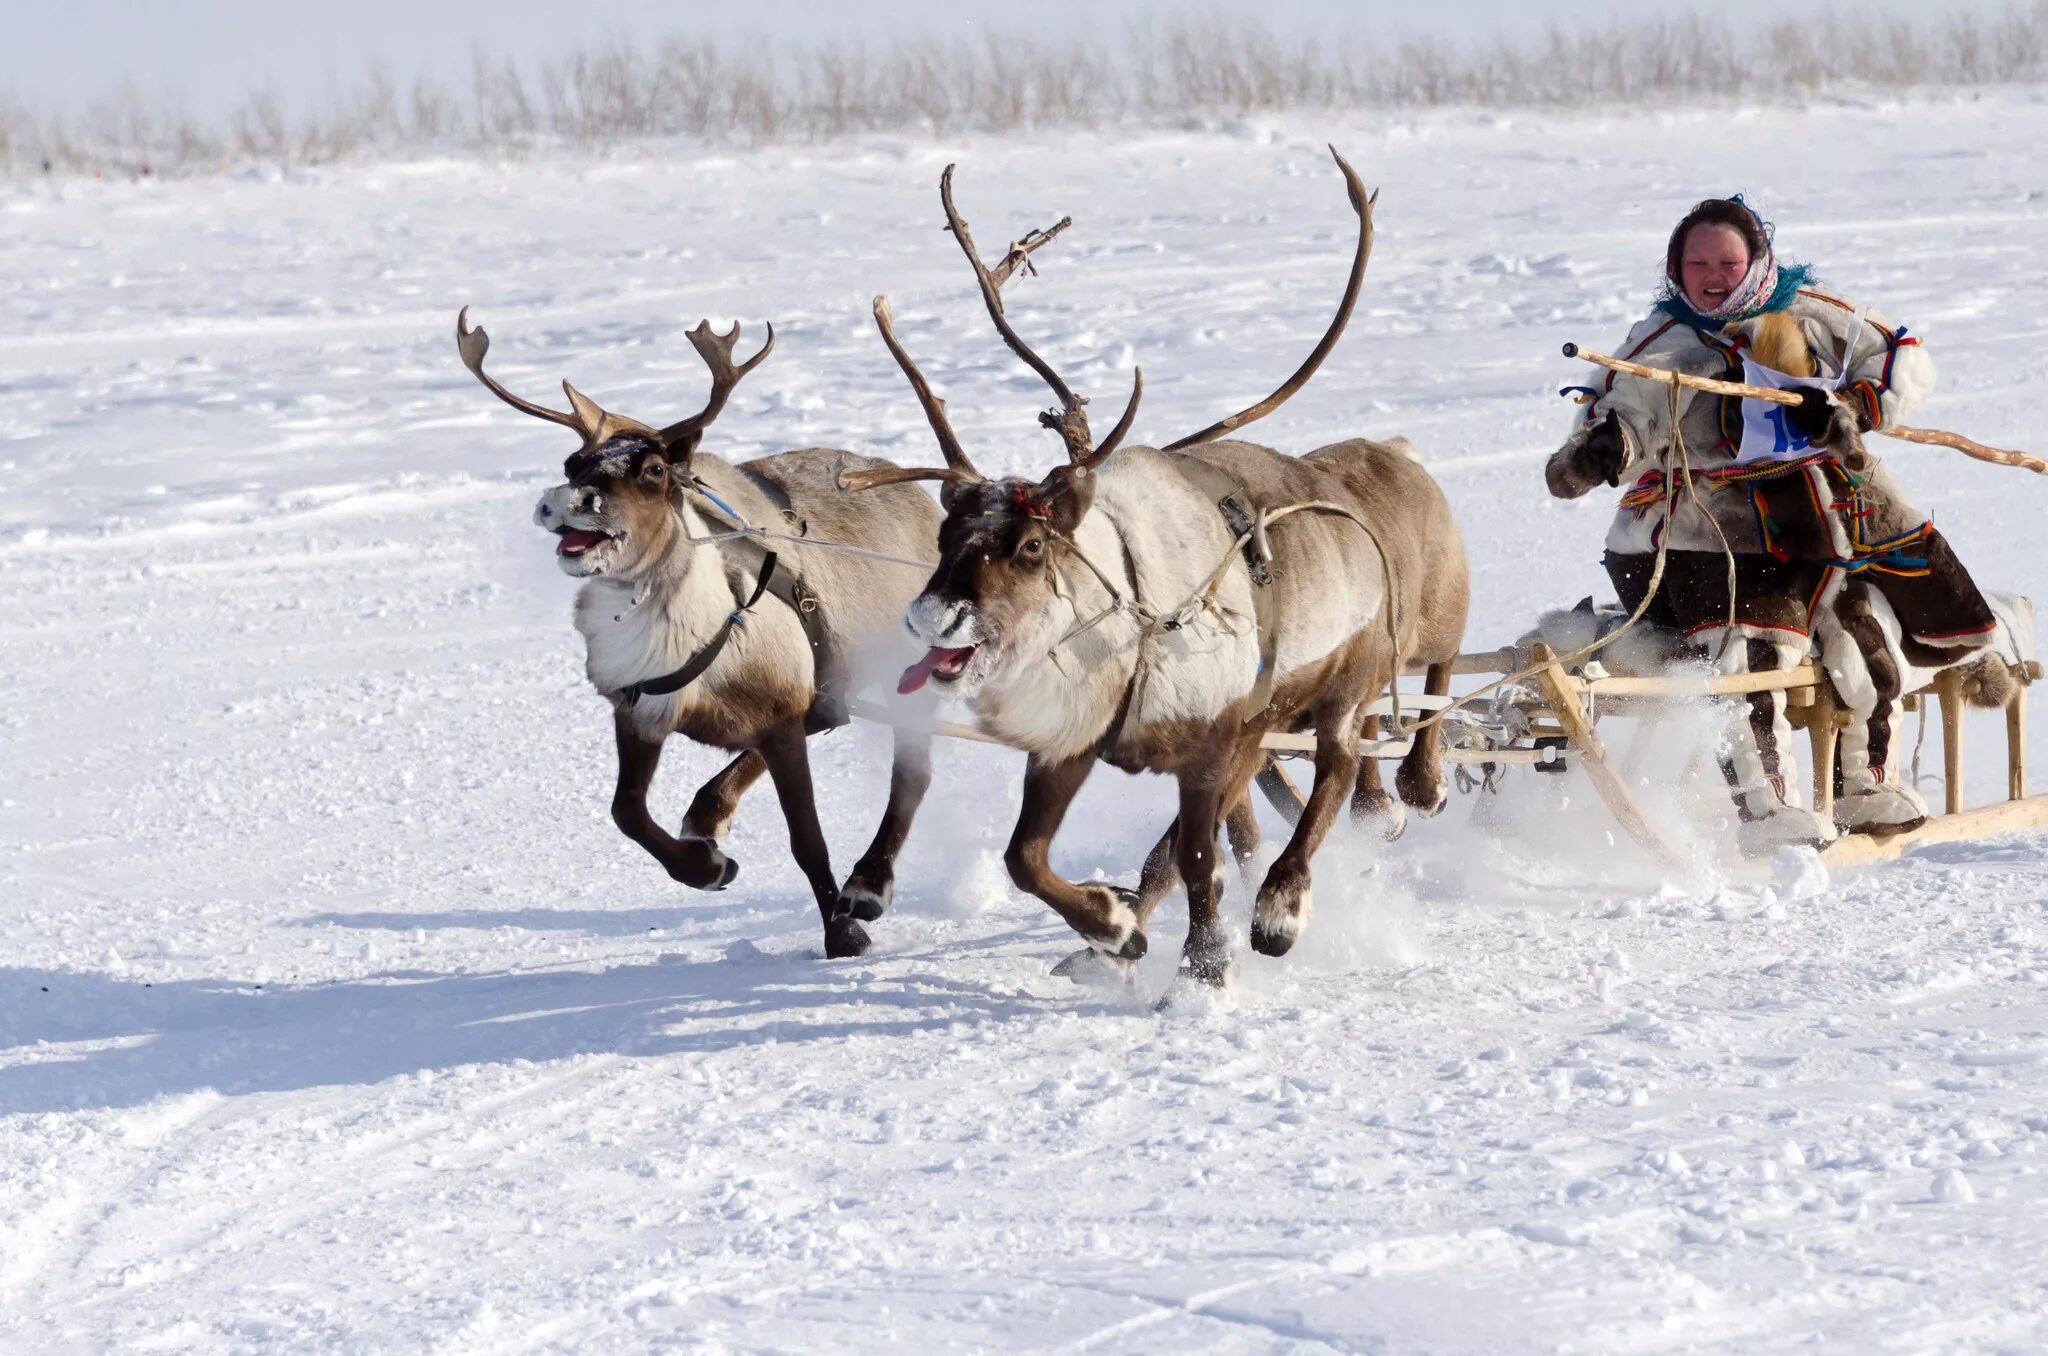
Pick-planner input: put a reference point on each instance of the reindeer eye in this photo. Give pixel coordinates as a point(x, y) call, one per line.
point(1033, 546)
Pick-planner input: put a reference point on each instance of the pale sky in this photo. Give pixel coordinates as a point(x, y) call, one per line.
point(209, 55)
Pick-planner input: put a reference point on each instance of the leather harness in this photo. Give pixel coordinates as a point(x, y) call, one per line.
point(829, 703)
point(1240, 515)
point(1234, 503)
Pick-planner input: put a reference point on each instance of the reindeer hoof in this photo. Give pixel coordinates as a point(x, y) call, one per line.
point(1381, 814)
point(701, 866)
point(864, 899)
point(1278, 919)
point(1427, 802)
point(1269, 941)
point(844, 937)
point(1206, 960)
point(1121, 935)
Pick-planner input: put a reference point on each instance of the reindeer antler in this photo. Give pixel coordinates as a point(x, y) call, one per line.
point(1070, 421)
point(958, 470)
point(473, 344)
point(1362, 205)
point(596, 424)
point(681, 438)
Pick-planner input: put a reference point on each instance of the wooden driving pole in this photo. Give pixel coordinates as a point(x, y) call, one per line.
point(1948, 686)
point(1563, 697)
point(1824, 729)
point(2016, 746)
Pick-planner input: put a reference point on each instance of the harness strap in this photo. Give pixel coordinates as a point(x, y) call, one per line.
point(1107, 744)
point(1233, 501)
point(693, 668)
point(830, 700)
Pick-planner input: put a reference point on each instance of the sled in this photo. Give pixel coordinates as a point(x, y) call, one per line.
point(1559, 710)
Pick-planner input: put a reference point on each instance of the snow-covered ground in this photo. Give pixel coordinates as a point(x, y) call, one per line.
point(335, 1016)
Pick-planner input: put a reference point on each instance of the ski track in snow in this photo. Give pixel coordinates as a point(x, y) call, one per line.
point(335, 1016)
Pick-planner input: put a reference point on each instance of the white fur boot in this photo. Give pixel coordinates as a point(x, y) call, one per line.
point(1873, 799)
point(1773, 811)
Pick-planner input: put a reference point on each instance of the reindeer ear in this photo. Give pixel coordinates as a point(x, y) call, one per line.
point(681, 448)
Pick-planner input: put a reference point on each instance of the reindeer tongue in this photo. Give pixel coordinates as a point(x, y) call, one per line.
point(914, 677)
point(575, 542)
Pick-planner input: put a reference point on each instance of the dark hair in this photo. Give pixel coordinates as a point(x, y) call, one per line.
point(1731, 212)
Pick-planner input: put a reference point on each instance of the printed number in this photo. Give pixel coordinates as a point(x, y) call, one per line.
point(1789, 438)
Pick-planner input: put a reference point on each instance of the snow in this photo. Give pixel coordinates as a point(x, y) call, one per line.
point(336, 1016)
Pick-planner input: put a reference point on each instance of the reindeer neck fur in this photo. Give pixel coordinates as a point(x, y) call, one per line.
point(641, 628)
point(1057, 698)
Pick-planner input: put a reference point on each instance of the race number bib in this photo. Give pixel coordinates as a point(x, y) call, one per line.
point(1767, 431)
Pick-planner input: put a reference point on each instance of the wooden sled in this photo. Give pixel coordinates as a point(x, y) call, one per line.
point(1567, 706)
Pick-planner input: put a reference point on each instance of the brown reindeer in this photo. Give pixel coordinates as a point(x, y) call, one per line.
point(1156, 610)
point(726, 639)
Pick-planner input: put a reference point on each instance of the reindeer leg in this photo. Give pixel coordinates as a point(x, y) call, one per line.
point(711, 811)
point(1102, 914)
point(1371, 806)
point(789, 765)
point(692, 861)
point(1283, 904)
point(1241, 824)
point(1206, 957)
point(1155, 879)
point(1420, 779)
point(868, 891)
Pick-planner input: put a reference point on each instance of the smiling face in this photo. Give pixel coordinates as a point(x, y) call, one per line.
point(1711, 265)
point(995, 584)
point(615, 513)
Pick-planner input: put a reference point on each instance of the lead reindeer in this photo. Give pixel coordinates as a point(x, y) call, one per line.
point(724, 641)
point(1163, 609)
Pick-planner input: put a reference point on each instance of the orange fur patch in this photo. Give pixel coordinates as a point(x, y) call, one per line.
point(1777, 341)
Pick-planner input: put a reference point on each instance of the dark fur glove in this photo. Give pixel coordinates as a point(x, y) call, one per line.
point(1812, 415)
point(1605, 450)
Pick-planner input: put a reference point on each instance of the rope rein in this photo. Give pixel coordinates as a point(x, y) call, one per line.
point(1602, 642)
point(1203, 598)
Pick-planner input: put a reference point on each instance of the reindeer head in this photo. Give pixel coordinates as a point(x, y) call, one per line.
point(995, 597)
point(615, 512)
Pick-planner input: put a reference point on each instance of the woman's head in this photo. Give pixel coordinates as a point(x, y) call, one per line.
point(1711, 251)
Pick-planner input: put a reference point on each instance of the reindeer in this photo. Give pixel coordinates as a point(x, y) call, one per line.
point(1163, 609)
point(691, 630)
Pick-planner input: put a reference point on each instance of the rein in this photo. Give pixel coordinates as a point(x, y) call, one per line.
point(789, 590)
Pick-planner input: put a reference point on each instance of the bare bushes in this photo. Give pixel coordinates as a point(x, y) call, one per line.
point(750, 94)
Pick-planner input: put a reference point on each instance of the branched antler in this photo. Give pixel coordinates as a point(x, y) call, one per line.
point(958, 469)
point(681, 438)
point(1070, 421)
point(473, 344)
point(1020, 252)
point(1362, 205)
point(598, 425)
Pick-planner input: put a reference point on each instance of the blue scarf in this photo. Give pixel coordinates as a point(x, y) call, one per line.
point(1790, 279)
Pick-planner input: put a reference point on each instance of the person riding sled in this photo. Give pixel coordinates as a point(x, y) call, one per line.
point(1826, 549)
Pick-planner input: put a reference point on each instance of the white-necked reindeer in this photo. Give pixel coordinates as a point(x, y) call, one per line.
point(1155, 610)
point(728, 642)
